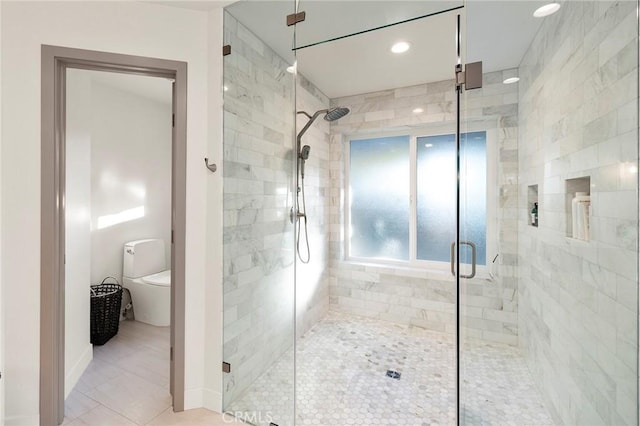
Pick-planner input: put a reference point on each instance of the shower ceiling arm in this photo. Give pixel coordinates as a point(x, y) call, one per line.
point(312, 118)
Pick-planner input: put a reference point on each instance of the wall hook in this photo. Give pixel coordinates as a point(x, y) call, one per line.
point(211, 167)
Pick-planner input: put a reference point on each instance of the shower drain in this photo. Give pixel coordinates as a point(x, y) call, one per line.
point(393, 374)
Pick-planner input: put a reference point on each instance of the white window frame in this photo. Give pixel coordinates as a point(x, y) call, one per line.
point(482, 271)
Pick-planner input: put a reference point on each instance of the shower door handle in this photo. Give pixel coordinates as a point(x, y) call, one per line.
point(473, 259)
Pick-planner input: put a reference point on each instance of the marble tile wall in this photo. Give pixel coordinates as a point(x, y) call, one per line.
point(312, 279)
point(258, 236)
point(427, 298)
point(578, 300)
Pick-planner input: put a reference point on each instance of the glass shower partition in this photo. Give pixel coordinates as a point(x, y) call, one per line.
point(259, 292)
point(340, 306)
point(549, 323)
point(375, 312)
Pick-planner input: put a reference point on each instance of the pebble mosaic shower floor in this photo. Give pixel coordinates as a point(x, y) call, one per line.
point(342, 365)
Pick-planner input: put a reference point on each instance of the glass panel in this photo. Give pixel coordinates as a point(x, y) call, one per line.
point(258, 235)
point(376, 338)
point(265, 20)
point(379, 198)
point(555, 318)
point(351, 17)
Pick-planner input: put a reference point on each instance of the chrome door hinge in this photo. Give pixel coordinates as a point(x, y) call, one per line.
point(226, 367)
point(294, 18)
point(173, 120)
point(471, 77)
point(171, 353)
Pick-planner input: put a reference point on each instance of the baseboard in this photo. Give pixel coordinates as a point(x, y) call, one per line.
point(212, 400)
point(193, 399)
point(75, 372)
point(21, 420)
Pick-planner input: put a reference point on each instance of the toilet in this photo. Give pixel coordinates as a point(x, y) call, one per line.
point(147, 278)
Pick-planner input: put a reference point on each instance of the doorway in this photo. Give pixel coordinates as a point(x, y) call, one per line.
point(56, 62)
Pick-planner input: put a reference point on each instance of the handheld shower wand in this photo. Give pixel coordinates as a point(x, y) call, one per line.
point(303, 155)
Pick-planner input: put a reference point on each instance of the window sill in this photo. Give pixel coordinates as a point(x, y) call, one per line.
point(415, 271)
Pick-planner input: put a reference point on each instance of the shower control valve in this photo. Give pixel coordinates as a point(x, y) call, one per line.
point(296, 215)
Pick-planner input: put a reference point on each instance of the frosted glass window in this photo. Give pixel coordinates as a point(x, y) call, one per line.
point(436, 196)
point(379, 190)
point(473, 194)
point(380, 209)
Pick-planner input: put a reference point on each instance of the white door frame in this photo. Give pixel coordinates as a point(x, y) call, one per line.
point(55, 61)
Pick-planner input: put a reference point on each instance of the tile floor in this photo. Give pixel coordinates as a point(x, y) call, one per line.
point(127, 383)
point(342, 364)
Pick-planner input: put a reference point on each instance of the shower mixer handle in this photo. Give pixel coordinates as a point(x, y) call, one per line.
point(296, 215)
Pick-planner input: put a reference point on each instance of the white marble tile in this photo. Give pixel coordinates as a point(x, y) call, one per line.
point(341, 366)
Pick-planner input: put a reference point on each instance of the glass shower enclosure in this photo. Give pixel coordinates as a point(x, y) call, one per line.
point(400, 248)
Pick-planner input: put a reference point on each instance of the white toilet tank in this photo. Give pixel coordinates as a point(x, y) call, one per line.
point(143, 257)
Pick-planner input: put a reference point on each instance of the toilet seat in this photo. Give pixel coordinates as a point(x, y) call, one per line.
point(162, 279)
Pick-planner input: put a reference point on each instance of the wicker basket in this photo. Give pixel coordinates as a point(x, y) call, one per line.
point(106, 299)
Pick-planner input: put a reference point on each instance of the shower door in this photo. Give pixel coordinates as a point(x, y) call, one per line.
point(548, 323)
point(375, 303)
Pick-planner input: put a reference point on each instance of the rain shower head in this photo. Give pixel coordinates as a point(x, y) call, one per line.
point(329, 115)
point(336, 113)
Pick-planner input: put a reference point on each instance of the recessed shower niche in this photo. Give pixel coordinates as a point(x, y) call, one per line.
point(578, 207)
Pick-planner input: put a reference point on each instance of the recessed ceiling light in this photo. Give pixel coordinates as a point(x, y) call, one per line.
point(400, 47)
point(293, 68)
point(511, 80)
point(428, 145)
point(418, 110)
point(225, 88)
point(546, 10)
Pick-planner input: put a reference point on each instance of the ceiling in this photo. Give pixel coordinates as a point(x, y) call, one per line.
point(364, 63)
point(499, 33)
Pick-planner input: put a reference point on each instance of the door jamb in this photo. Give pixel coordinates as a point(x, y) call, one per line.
point(55, 61)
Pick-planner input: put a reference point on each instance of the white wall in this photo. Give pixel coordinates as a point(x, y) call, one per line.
point(78, 350)
point(130, 168)
point(123, 27)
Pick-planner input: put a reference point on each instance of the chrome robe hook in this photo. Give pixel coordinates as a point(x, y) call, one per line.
point(212, 167)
